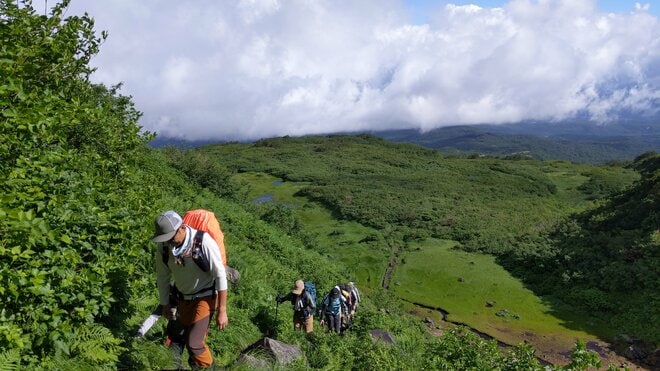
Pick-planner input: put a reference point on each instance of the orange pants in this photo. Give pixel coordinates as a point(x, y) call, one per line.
point(195, 316)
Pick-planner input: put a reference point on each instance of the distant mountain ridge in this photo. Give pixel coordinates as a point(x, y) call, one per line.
point(572, 141)
point(576, 141)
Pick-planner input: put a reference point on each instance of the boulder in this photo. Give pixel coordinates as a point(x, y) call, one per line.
point(382, 335)
point(283, 353)
point(233, 276)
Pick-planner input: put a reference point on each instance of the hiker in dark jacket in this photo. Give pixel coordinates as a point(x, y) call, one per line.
point(303, 306)
point(334, 305)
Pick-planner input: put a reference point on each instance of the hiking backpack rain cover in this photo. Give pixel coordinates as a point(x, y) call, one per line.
point(310, 288)
point(204, 220)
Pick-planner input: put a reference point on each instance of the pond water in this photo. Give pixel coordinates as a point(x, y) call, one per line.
point(268, 197)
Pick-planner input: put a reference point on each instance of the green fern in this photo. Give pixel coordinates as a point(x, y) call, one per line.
point(10, 360)
point(95, 344)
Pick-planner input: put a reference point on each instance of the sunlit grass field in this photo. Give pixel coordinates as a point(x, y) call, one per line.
point(476, 291)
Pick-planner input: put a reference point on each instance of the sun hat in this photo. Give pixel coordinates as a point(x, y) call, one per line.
point(298, 287)
point(167, 224)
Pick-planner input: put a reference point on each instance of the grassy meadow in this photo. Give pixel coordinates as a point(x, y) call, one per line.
point(473, 289)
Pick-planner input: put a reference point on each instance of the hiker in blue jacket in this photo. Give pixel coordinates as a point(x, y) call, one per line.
point(334, 305)
point(303, 306)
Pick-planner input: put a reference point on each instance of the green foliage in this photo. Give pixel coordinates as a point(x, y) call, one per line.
point(607, 259)
point(10, 360)
point(464, 350)
point(80, 190)
point(207, 173)
point(66, 152)
point(582, 359)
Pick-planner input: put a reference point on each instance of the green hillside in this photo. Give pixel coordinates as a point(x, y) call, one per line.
point(406, 194)
point(571, 141)
point(81, 189)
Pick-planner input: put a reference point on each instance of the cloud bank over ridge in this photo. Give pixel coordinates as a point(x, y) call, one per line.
point(247, 69)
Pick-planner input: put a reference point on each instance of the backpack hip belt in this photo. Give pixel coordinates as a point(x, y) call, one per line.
point(202, 294)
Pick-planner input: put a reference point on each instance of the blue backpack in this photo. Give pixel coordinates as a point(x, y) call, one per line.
point(310, 288)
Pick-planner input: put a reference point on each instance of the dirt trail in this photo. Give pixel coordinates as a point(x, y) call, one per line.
point(547, 352)
point(390, 267)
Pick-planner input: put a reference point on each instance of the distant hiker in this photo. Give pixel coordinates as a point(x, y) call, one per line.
point(334, 305)
point(304, 305)
point(191, 260)
point(355, 298)
point(345, 292)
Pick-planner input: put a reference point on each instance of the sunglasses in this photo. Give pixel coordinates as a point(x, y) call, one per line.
point(171, 240)
point(179, 259)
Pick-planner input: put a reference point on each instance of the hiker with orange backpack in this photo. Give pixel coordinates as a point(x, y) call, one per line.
point(191, 260)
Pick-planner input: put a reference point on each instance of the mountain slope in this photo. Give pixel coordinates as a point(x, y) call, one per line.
point(577, 142)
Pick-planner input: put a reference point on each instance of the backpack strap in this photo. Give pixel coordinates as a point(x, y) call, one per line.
point(198, 255)
point(165, 254)
point(197, 240)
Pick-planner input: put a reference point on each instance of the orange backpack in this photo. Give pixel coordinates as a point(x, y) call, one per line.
point(204, 220)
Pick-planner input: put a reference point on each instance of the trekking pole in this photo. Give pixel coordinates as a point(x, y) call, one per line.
point(274, 327)
point(276, 307)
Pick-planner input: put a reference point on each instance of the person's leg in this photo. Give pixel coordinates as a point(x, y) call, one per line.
point(176, 341)
point(329, 321)
point(298, 320)
point(309, 324)
point(195, 316)
point(333, 322)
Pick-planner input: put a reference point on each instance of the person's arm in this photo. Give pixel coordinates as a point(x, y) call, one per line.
point(287, 297)
point(323, 306)
point(163, 279)
point(221, 317)
point(220, 275)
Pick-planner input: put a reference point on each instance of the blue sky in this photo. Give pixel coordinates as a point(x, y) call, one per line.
point(420, 8)
point(247, 69)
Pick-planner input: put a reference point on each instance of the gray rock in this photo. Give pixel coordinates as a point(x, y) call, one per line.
point(382, 335)
point(233, 276)
point(283, 353)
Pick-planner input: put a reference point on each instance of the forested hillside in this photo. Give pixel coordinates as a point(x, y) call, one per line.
point(606, 260)
point(581, 142)
point(81, 188)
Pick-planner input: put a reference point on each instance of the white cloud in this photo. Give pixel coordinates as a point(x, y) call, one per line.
point(246, 69)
